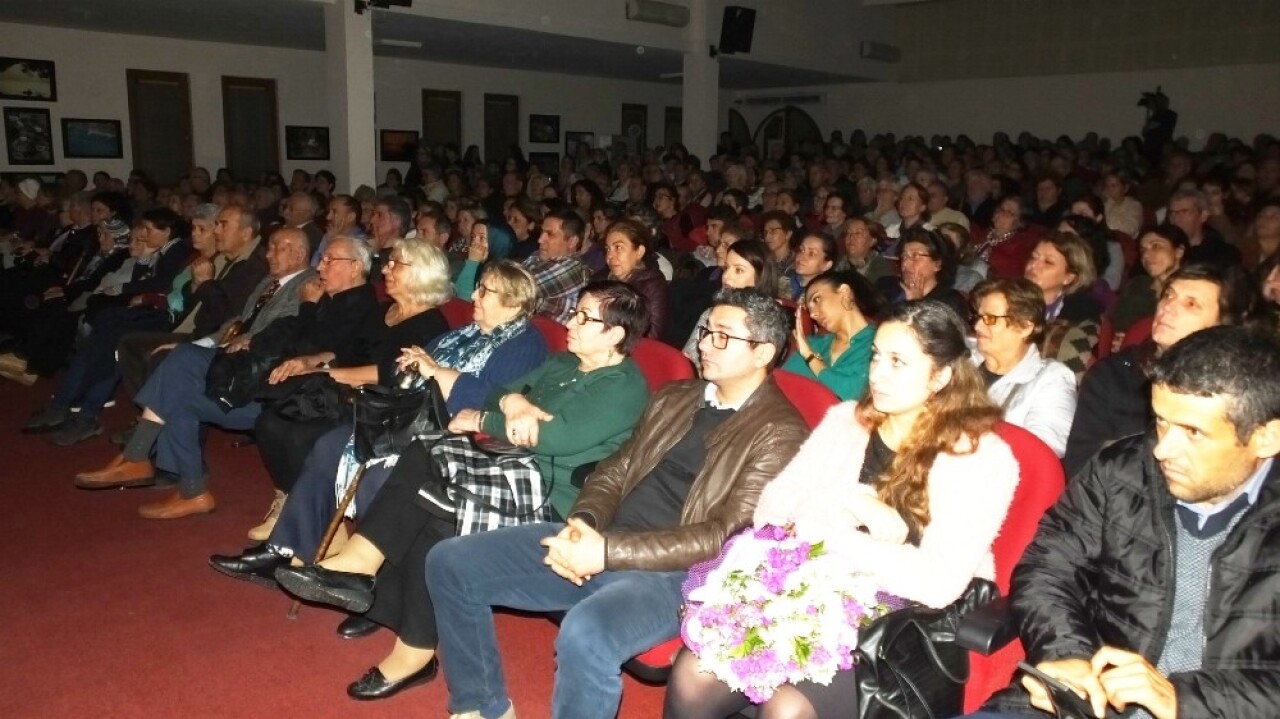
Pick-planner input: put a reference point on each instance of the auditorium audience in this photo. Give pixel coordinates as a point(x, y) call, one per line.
point(1063, 214)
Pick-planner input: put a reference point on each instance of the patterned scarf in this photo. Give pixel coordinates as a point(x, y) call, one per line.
point(467, 350)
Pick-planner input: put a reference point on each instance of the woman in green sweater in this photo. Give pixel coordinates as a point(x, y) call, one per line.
point(843, 304)
point(577, 407)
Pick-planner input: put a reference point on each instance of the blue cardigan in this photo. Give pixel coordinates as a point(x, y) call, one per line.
point(511, 360)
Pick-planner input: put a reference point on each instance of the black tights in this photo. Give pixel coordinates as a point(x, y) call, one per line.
point(692, 694)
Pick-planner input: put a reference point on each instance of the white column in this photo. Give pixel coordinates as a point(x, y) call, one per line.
point(349, 70)
point(701, 99)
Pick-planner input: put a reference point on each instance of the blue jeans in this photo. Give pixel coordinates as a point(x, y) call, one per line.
point(609, 619)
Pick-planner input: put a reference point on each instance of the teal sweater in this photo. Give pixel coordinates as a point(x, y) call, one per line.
point(847, 377)
point(593, 414)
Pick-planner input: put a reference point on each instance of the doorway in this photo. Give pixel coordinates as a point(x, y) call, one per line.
point(250, 127)
point(442, 118)
point(501, 126)
point(160, 124)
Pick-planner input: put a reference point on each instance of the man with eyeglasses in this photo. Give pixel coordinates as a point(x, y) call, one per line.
point(1189, 210)
point(687, 479)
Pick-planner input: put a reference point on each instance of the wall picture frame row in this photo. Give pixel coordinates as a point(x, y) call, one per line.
point(28, 137)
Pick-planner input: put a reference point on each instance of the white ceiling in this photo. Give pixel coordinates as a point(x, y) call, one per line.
point(299, 24)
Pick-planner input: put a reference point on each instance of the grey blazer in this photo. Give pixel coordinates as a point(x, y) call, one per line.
point(283, 304)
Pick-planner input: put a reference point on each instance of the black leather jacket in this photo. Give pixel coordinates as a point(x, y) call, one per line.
point(1101, 569)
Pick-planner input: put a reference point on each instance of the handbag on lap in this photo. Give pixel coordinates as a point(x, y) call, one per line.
point(387, 419)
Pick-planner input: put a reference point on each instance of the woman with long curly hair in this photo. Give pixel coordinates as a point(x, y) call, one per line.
point(919, 514)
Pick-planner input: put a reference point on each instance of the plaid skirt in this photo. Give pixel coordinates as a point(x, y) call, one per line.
point(486, 491)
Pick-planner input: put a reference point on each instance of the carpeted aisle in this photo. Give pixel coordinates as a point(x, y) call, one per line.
point(104, 614)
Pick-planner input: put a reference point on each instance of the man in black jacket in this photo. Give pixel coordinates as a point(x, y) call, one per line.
point(1114, 397)
point(1152, 582)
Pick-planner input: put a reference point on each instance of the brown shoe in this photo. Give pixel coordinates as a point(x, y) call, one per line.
point(261, 532)
point(12, 362)
point(175, 506)
point(19, 376)
point(120, 472)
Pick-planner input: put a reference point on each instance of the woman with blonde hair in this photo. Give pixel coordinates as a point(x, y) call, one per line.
point(933, 485)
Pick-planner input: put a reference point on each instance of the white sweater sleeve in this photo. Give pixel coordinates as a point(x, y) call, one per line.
point(1048, 406)
point(969, 496)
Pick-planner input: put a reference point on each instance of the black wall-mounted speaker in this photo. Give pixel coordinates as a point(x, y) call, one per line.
point(737, 29)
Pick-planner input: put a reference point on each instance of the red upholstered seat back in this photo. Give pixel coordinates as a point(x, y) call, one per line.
point(1040, 481)
point(810, 397)
point(457, 312)
point(555, 334)
point(1138, 332)
point(661, 363)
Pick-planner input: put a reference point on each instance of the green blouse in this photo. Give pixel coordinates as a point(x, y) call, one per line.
point(847, 376)
point(593, 413)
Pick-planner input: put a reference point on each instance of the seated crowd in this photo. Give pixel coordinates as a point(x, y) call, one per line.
point(1118, 304)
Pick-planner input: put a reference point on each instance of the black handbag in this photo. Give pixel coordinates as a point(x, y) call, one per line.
point(908, 664)
point(387, 419)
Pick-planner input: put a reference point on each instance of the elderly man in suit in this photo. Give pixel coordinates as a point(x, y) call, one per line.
point(174, 401)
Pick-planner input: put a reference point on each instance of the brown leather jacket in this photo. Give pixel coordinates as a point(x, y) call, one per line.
point(743, 455)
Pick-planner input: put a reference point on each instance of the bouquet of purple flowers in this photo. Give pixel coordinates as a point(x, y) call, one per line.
point(773, 609)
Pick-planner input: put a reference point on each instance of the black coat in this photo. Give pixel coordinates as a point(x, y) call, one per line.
point(1101, 571)
point(1114, 401)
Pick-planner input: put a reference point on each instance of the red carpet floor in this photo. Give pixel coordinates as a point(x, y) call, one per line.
point(104, 614)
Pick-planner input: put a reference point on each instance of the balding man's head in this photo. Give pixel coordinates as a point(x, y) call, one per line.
point(300, 209)
point(287, 252)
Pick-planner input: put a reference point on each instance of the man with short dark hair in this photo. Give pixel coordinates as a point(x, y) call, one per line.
point(688, 478)
point(342, 219)
point(1150, 587)
point(1114, 398)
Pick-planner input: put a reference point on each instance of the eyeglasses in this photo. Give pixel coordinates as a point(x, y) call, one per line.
point(582, 318)
point(482, 290)
point(987, 319)
point(917, 256)
point(326, 259)
point(720, 340)
point(392, 263)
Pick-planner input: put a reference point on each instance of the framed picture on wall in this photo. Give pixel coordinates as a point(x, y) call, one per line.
point(635, 127)
point(547, 162)
point(578, 141)
point(28, 137)
point(544, 128)
point(306, 143)
point(91, 138)
point(25, 79)
point(397, 145)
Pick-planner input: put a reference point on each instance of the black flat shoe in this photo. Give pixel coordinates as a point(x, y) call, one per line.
point(257, 564)
point(375, 686)
point(352, 592)
point(357, 626)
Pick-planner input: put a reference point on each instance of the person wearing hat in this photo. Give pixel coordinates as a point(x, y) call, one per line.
point(33, 222)
point(113, 250)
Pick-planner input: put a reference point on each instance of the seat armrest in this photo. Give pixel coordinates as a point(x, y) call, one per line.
point(988, 628)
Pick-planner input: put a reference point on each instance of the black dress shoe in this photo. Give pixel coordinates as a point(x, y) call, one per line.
point(257, 564)
point(352, 592)
point(375, 686)
point(357, 626)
